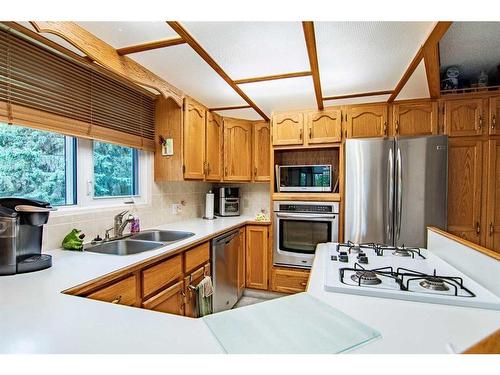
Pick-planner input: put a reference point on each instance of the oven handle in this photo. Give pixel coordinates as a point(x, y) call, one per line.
point(300, 216)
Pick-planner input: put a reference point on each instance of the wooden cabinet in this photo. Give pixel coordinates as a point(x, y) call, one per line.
point(261, 151)
point(237, 150)
point(463, 117)
point(213, 150)
point(241, 262)
point(493, 196)
point(161, 274)
point(366, 121)
point(415, 118)
point(289, 281)
point(288, 129)
point(194, 140)
point(324, 126)
point(123, 292)
point(464, 188)
point(171, 300)
point(191, 281)
point(256, 256)
point(494, 115)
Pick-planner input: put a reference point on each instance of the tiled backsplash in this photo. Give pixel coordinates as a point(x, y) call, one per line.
point(255, 197)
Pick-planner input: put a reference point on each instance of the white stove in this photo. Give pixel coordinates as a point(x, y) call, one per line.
point(402, 273)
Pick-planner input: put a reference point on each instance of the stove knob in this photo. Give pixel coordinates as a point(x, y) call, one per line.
point(363, 259)
point(343, 258)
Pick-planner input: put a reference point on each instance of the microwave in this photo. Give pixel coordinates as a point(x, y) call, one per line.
point(304, 178)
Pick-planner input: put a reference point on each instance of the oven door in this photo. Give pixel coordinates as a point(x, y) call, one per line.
point(296, 236)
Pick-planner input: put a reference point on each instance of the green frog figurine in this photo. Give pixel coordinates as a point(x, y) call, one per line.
point(74, 240)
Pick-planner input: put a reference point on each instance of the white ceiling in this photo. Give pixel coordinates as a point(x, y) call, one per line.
point(417, 86)
point(354, 57)
point(472, 46)
point(244, 113)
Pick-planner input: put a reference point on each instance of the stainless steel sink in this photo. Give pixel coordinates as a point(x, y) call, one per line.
point(167, 236)
point(124, 247)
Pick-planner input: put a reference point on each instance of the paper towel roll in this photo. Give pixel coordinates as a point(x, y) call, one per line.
point(209, 206)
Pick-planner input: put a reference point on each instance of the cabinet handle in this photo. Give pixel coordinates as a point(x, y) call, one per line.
point(310, 132)
point(397, 127)
point(480, 122)
point(255, 171)
point(117, 300)
point(225, 171)
point(385, 127)
point(494, 122)
point(492, 229)
point(300, 135)
point(303, 284)
point(208, 168)
point(478, 228)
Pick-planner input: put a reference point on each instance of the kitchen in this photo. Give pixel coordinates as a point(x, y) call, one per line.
point(237, 202)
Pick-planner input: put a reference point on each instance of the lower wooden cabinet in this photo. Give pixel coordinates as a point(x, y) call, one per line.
point(241, 262)
point(170, 300)
point(190, 282)
point(158, 276)
point(256, 256)
point(123, 292)
point(289, 281)
point(197, 256)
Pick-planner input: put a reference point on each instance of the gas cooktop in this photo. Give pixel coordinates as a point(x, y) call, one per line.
point(406, 273)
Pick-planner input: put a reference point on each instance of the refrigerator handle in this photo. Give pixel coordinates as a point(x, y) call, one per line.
point(390, 198)
point(399, 197)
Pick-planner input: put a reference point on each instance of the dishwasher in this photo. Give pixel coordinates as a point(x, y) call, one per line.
point(225, 267)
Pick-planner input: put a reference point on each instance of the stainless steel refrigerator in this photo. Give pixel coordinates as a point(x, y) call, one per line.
point(395, 188)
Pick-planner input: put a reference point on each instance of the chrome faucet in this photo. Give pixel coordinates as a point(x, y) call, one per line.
point(120, 224)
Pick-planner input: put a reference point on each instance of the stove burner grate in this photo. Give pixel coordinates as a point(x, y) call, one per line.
point(401, 251)
point(354, 248)
point(366, 278)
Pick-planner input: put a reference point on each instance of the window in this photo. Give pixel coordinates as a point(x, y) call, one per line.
point(115, 170)
point(37, 164)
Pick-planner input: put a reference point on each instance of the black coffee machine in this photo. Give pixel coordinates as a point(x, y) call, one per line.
point(21, 230)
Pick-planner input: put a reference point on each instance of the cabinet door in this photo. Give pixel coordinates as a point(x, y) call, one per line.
point(171, 300)
point(367, 121)
point(257, 250)
point(158, 276)
point(464, 188)
point(494, 117)
point(289, 281)
point(237, 150)
point(261, 152)
point(213, 167)
point(463, 117)
point(123, 292)
point(194, 140)
point(241, 263)
point(324, 126)
point(415, 118)
point(288, 129)
point(190, 281)
point(493, 198)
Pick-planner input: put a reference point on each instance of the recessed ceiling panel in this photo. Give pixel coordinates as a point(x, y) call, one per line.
point(417, 86)
point(251, 49)
point(359, 100)
point(282, 95)
point(357, 57)
point(184, 69)
point(244, 113)
point(123, 34)
point(473, 47)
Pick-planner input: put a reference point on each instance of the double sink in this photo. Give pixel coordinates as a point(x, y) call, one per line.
point(140, 242)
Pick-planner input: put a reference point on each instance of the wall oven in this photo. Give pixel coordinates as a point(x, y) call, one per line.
point(299, 227)
point(304, 178)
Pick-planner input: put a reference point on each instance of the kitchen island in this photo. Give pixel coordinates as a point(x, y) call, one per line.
point(35, 317)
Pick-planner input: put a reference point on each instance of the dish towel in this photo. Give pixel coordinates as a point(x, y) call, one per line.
point(204, 292)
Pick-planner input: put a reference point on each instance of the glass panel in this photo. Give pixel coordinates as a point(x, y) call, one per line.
point(231, 207)
point(302, 236)
point(115, 170)
point(37, 164)
point(306, 176)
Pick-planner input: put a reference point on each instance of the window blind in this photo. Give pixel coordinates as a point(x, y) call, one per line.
point(41, 89)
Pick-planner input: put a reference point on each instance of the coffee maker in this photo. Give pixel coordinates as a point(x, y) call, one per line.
point(21, 231)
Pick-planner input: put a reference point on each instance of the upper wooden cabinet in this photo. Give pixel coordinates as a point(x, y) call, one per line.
point(261, 152)
point(288, 129)
point(415, 118)
point(463, 117)
point(194, 140)
point(367, 121)
point(493, 196)
point(324, 126)
point(494, 118)
point(237, 150)
point(464, 188)
point(256, 256)
point(213, 151)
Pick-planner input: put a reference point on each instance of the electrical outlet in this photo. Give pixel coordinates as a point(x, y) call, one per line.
point(176, 208)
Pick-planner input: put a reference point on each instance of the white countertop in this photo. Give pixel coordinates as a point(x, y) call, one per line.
point(36, 318)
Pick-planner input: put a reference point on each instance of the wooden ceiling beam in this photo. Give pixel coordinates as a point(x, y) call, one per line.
point(193, 43)
point(429, 49)
point(229, 108)
point(360, 95)
point(272, 77)
point(163, 43)
point(308, 27)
